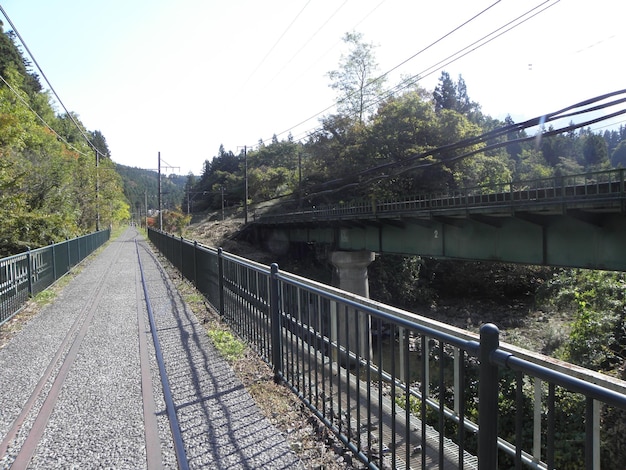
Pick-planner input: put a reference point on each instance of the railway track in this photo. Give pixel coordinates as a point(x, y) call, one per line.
point(21, 446)
point(88, 382)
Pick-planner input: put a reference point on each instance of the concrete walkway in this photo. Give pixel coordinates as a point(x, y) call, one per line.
point(80, 388)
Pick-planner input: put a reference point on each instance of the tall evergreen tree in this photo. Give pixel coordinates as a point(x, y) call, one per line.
point(445, 93)
point(454, 96)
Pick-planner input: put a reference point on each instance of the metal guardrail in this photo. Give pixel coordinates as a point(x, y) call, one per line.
point(406, 391)
point(26, 274)
point(599, 187)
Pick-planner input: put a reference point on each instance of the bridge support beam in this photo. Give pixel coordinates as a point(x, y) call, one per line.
point(352, 269)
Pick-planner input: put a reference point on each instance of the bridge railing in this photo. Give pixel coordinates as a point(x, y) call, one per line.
point(609, 185)
point(26, 274)
point(404, 391)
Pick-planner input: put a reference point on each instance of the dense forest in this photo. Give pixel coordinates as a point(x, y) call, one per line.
point(141, 188)
point(57, 179)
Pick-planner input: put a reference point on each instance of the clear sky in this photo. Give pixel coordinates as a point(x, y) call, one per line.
point(182, 77)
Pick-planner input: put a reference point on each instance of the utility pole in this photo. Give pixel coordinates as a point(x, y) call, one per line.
point(159, 189)
point(97, 190)
point(245, 177)
point(145, 195)
point(222, 202)
point(300, 180)
point(160, 192)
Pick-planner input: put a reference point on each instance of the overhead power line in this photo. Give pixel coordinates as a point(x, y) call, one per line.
point(44, 122)
point(483, 41)
point(276, 44)
point(48, 81)
point(417, 162)
point(433, 43)
point(439, 65)
point(313, 63)
point(309, 40)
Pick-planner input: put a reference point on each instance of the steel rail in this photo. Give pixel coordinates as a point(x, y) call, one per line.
point(179, 447)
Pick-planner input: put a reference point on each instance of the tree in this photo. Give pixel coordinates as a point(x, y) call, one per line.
point(618, 159)
point(98, 140)
point(514, 149)
point(224, 171)
point(338, 152)
point(531, 166)
point(355, 80)
point(403, 128)
point(445, 93)
point(11, 57)
point(453, 96)
point(595, 151)
point(47, 188)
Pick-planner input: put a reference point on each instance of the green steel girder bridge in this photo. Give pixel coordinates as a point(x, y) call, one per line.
point(570, 221)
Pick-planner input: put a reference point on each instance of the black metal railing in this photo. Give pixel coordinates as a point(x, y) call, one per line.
point(403, 391)
point(26, 274)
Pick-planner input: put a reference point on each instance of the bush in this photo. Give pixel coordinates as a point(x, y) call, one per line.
point(597, 339)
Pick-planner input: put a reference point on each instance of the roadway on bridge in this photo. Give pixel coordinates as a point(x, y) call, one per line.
point(80, 388)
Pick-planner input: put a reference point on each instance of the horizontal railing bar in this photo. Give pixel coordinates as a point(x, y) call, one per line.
point(469, 346)
point(573, 384)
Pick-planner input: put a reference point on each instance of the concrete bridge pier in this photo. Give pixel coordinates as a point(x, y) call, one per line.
point(352, 270)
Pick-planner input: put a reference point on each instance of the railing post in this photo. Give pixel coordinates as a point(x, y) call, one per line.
point(277, 357)
point(54, 263)
point(181, 255)
point(69, 255)
point(488, 399)
point(220, 275)
point(195, 263)
point(29, 271)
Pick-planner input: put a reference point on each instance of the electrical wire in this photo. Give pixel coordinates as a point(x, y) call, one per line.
point(410, 81)
point(25, 103)
point(308, 41)
point(396, 168)
point(82, 132)
point(448, 60)
point(433, 44)
point(312, 64)
point(276, 44)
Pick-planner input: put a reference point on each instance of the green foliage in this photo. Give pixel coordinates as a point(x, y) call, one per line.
point(595, 152)
point(453, 97)
point(267, 182)
point(391, 151)
point(48, 178)
point(618, 158)
point(227, 344)
point(395, 280)
point(597, 339)
point(223, 176)
point(175, 222)
point(11, 58)
point(273, 170)
point(532, 165)
point(355, 81)
point(141, 188)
